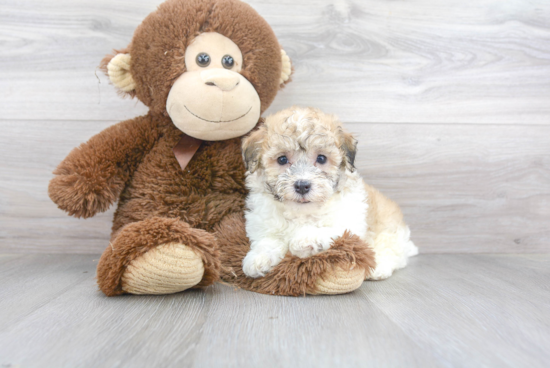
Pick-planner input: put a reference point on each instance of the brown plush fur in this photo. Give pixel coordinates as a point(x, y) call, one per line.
point(133, 161)
point(294, 276)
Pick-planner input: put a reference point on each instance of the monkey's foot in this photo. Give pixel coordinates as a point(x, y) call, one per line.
point(158, 256)
point(339, 281)
point(166, 269)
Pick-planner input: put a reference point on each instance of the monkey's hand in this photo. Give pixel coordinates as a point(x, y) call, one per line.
point(85, 193)
point(93, 175)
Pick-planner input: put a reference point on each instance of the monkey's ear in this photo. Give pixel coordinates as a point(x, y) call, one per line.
point(349, 146)
point(117, 68)
point(252, 145)
point(286, 70)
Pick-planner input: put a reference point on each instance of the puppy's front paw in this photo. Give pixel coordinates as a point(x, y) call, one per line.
point(302, 248)
point(382, 271)
point(258, 264)
point(308, 246)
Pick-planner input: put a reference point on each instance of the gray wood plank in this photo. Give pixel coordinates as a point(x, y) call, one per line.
point(472, 310)
point(247, 329)
point(462, 188)
point(443, 310)
point(84, 328)
point(5, 258)
point(417, 61)
point(31, 281)
point(26, 212)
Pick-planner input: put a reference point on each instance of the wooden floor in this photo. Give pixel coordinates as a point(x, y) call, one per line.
point(443, 310)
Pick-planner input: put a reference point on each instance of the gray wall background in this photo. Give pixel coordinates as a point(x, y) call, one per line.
point(450, 100)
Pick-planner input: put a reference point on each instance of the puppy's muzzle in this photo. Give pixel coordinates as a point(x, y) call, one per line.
point(302, 186)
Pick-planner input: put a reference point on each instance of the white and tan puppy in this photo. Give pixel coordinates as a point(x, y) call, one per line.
point(305, 192)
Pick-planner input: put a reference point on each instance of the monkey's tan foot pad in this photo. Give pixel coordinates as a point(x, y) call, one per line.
point(166, 269)
point(339, 281)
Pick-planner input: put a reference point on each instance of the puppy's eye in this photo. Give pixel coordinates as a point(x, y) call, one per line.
point(282, 160)
point(228, 62)
point(322, 159)
point(203, 59)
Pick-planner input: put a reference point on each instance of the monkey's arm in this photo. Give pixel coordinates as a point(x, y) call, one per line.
point(93, 175)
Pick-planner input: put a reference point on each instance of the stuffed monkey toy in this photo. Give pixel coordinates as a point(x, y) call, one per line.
point(207, 70)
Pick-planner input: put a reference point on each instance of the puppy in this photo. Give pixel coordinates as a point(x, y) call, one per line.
point(304, 192)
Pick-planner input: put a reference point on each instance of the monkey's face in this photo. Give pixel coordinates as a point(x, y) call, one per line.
point(212, 100)
point(211, 66)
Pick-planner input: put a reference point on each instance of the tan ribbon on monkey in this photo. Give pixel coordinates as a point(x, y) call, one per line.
point(186, 149)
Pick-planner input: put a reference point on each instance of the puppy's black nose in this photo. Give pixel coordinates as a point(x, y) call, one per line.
point(302, 186)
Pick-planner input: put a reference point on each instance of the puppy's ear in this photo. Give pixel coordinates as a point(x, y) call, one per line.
point(349, 146)
point(252, 146)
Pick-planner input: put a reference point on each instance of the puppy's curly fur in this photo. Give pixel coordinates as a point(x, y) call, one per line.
point(305, 193)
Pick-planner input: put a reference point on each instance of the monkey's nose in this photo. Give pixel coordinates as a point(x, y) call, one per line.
point(302, 186)
point(223, 79)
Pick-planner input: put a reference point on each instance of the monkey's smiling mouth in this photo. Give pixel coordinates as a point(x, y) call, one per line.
point(219, 121)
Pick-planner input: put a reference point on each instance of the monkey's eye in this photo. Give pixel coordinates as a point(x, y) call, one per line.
point(322, 159)
point(203, 59)
point(282, 160)
point(228, 62)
